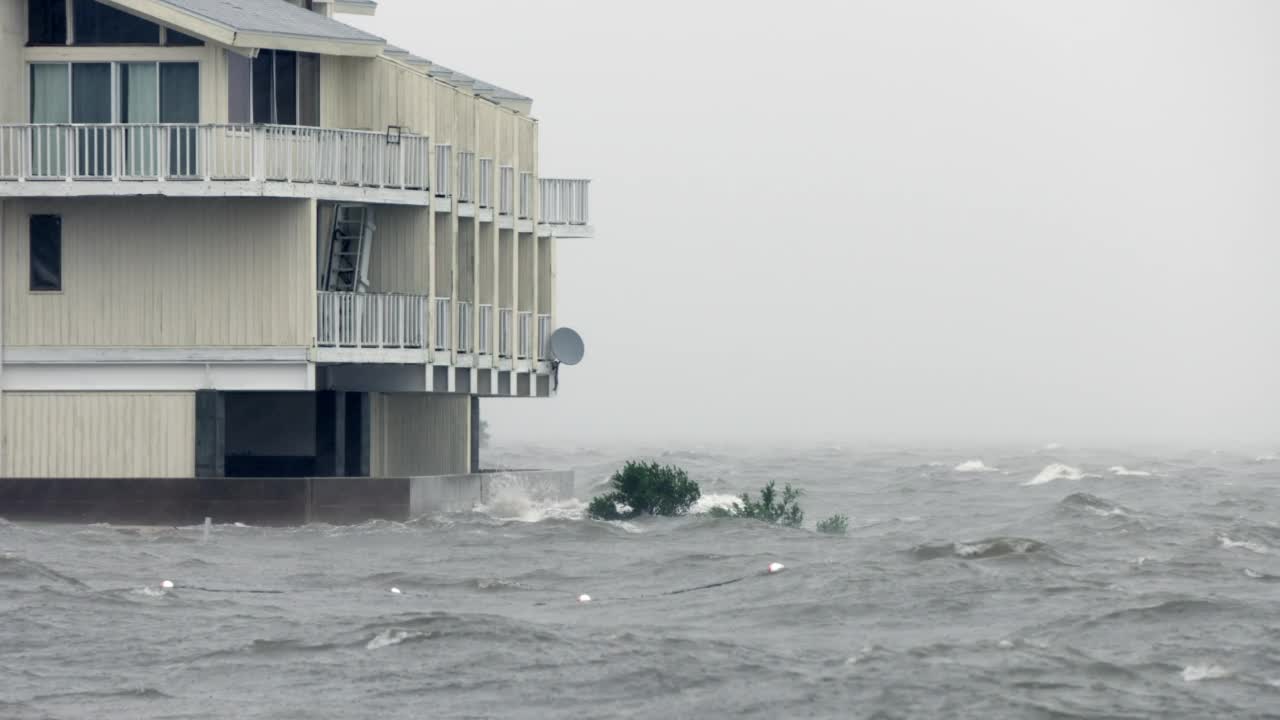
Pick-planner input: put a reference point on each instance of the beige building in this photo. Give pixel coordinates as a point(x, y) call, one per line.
point(257, 243)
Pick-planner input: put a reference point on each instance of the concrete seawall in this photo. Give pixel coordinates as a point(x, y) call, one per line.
point(265, 501)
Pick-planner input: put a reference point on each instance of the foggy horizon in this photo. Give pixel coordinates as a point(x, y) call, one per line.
point(920, 222)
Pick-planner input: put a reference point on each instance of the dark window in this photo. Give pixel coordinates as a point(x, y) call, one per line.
point(46, 253)
point(309, 90)
point(239, 88)
point(275, 88)
point(286, 88)
point(47, 22)
point(264, 105)
point(179, 93)
point(173, 38)
point(91, 93)
point(98, 24)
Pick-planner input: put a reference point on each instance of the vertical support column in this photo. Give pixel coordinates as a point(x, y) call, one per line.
point(331, 416)
point(211, 434)
point(359, 435)
point(475, 434)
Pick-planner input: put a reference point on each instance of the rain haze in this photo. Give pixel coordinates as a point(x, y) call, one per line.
point(900, 221)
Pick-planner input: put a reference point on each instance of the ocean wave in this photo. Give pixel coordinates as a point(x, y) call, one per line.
point(512, 504)
point(1056, 471)
point(712, 501)
point(974, 466)
point(981, 549)
point(1196, 673)
point(1249, 545)
point(390, 637)
point(1095, 505)
point(1122, 471)
point(19, 568)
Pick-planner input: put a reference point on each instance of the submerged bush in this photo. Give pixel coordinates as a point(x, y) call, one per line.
point(641, 488)
point(834, 525)
point(769, 508)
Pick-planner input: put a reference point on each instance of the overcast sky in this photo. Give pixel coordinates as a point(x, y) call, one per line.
point(900, 220)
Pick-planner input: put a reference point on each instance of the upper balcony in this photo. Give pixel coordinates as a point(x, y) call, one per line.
point(226, 160)
point(565, 208)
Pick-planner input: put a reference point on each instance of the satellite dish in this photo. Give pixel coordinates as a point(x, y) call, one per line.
point(566, 346)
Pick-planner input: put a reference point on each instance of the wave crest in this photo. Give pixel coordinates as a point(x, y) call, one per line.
point(981, 549)
point(974, 466)
point(1056, 471)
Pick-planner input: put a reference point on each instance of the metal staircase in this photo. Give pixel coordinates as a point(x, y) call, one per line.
point(349, 243)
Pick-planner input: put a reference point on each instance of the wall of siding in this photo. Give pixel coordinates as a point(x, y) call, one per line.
point(166, 272)
point(419, 434)
point(400, 259)
point(13, 35)
point(120, 435)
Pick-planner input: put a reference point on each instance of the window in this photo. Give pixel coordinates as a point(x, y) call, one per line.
point(277, 87)
point(47, 22)
point(46, 253)
point(173, 38)
point(98, 24)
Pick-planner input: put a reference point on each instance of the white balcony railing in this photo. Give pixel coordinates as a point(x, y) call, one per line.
point(565, 202)
point(444, 170)
point(525, 347)
point(464, 327)
point(526, 195)
point(544, 336)
point(442, 323)
point(484, 330)
point(486, 182)
point(262, 153)
point(506, 189)
point(466, 177)
point(368, 320)
point(506, 317)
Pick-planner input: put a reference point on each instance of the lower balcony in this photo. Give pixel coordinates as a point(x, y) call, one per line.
point(203, 160)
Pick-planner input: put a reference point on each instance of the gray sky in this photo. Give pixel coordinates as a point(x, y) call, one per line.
point(900, 220)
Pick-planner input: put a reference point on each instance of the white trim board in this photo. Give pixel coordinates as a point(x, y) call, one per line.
point(159, 377)
point(146, 355)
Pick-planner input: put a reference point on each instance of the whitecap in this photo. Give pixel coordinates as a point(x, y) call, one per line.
point(151, 592)
point(1056, 471)
point(512, 503)
point(1249, 545)
point(1253, 574)
point(1196, 673)
point(1122, 471)
point(387, 638)
point(713, 501)
point(1052, 446)
point(974, 466)
point(1267, 458)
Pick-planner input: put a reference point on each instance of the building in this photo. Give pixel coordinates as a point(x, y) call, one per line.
point(248, 240)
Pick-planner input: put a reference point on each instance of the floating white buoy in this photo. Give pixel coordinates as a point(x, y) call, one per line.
point(775, 567)
point(584, 598)
point(395, 591)
point(167, 584)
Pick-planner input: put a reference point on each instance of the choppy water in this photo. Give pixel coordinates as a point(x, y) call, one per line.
point(1050, 584)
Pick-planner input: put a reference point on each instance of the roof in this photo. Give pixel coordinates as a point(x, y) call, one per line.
point(274, 24)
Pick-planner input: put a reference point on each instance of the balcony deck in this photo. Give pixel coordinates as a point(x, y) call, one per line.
point(214, 160)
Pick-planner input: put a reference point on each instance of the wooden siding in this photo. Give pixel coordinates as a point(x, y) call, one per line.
point(546, 274)
point(415, 434)
point(13, 36)
point(400, 259)
point(99, 434)
point(166, 272)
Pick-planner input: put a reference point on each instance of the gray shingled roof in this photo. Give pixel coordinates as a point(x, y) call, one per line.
point(275, 17)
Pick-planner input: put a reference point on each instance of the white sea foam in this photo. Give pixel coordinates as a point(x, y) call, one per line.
point(711, 501)
point(1056, 471)
point(512, 503)
point(387, 638)
point(1267, 458)
point(1196, 673)
point(974, 466)
point(1249, 545)
point(1052, 446)
point(1253, 574)
point(151, 592)
point(1122, 471)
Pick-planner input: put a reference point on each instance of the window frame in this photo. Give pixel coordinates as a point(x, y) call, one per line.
point(117, 96)
point(69, 32)
point(300, 59)
point(31, 255)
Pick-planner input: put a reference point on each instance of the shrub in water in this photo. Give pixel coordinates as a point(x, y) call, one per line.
point(769, 508)
point(646, 489)
point(834, 525)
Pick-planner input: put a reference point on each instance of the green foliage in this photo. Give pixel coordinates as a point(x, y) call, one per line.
point(646, 489)
point(770, 508)
point(834, 525)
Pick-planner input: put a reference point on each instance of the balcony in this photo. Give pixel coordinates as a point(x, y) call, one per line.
point(565, 208)
point(213, 160)
point(369, 321)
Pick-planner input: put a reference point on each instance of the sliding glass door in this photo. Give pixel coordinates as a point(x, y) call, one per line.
point(50, 106)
